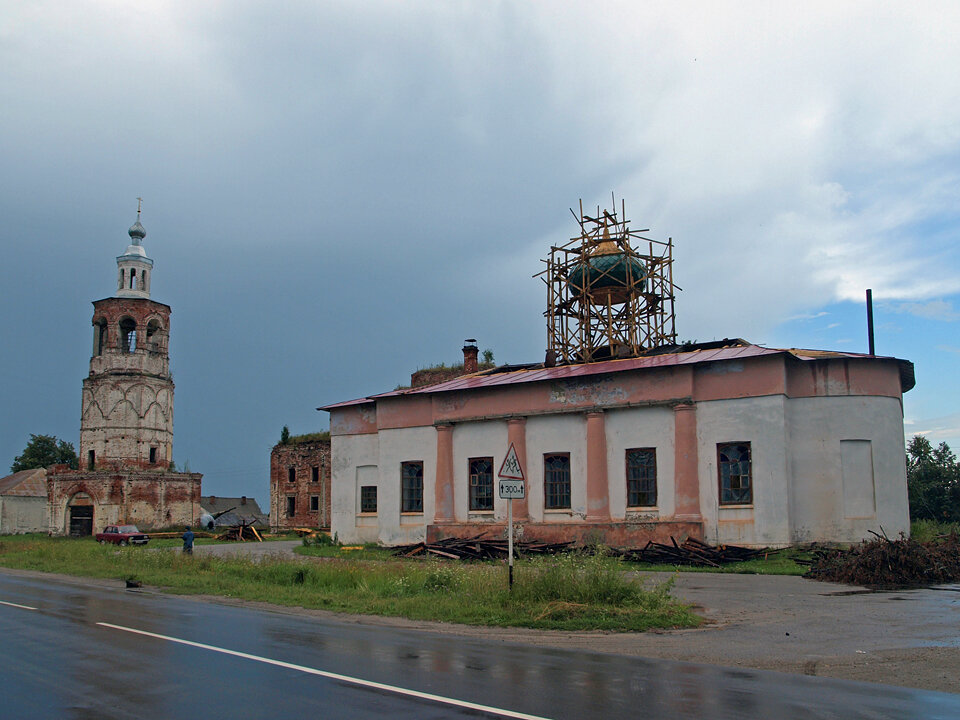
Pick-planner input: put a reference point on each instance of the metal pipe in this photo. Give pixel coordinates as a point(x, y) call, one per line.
point(870, 321)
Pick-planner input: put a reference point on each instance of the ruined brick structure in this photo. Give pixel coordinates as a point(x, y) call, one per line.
point(442, 373)
point(300, 483)
point(143, 498)
point(126, 426)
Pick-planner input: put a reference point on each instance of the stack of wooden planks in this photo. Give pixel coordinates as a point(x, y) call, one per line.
point(477, 548)
point(691, 552)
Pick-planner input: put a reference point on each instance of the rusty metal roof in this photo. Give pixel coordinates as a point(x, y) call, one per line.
point(525, 374)
point(26, 483)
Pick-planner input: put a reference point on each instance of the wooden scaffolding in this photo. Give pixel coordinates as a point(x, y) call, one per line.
point(610, 291)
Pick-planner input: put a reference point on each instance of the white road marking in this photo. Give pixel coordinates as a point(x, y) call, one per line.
point(22, 607)
point(336, 676)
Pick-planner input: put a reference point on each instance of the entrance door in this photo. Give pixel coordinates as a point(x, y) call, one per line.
point(81, 520)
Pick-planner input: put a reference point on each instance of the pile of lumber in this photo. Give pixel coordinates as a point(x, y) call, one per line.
point(240, 533)
point(477, 548)
point(691, 552)
point(885, 563)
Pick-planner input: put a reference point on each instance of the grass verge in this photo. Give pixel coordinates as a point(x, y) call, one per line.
point(781, 563)
point(567, 592)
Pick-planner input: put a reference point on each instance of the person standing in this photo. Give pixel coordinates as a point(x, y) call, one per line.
point(188, 541)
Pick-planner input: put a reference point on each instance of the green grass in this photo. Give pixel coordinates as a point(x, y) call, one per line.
point(781, 563)
point(568, 592)
point(927, 530)
point(370, 551)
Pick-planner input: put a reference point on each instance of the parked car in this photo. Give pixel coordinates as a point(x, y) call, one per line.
point(122, 535)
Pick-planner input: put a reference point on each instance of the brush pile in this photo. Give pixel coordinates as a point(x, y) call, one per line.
point(240, 533)
point(478, 548)
point(691, 552)
point(884, 563)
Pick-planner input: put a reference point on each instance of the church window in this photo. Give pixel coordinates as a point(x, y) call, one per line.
point(735, 468)
point(128, 335)
point(314, 503)
point(481, 483)
point(291, 474)
point(99, 336)
point(133, 278)
point(291, 505)
point(556, 481)
point(642, 477)
point(153, 455)
point(411, 487)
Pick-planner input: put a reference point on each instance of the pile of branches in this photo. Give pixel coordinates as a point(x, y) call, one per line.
point(691, 552)
point(886, 563)
point(478, 548)
point(240, 533)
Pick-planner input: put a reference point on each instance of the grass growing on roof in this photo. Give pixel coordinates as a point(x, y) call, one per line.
point(565, 592)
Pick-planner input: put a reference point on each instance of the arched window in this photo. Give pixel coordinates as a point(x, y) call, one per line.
point(133, 278)
point(128, 335)
point(153, 327)
point(99, 336)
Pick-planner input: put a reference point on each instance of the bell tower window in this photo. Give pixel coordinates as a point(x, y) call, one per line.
point(128, 335)
point(99, 336)
point(133, 278)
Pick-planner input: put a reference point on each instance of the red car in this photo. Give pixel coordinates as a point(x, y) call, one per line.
point(122, 535)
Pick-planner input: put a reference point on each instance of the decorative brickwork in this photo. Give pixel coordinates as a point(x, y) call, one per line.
point(145, 499)
point(127, 410)
point(300, 481)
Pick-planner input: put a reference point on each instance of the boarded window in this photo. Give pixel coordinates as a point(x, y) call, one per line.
point(314, 503)
point(368, 498)
point(411, 487)
point(736, 473)
point(556, 481)
point(481, 483)
point(642, 477)
point(291, 505)
point(315, 474)
point(856, 467)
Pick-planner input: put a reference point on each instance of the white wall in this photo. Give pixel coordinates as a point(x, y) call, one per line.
point(398, 446)
point(19, 514)
point(557, 434)
point(759, 421)
point(640, 428)
point(347, 452)
point(817, 427)
point(474, 440)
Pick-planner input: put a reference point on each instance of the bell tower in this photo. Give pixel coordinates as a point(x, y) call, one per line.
point(127, 409)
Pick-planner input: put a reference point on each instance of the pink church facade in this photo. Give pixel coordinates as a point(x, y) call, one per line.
point(734, 444)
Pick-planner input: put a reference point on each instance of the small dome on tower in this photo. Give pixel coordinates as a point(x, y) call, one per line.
point(137, 231)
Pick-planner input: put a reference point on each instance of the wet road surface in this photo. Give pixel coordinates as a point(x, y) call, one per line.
point(82, 650)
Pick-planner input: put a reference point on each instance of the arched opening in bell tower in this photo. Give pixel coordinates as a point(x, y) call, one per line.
point(128, 335)
point(99, 335)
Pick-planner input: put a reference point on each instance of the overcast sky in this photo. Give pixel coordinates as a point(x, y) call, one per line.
point(338, 193)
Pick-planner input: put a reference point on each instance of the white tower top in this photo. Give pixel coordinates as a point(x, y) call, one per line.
point(135, 268)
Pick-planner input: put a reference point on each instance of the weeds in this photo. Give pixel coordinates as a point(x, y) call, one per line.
point(571, 591)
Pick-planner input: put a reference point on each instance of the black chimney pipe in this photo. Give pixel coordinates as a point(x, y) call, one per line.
point(870, 321)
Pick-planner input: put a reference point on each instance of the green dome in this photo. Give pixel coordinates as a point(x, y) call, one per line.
point(608, 273)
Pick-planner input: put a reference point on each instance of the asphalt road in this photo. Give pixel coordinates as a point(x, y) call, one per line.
point(85, 649)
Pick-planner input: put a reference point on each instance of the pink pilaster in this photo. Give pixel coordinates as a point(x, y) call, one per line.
point(443, 487)
point(686, 475)
point(598, 488)
point(517, 435)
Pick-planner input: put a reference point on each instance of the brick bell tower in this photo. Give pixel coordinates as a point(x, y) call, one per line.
point(127, 410)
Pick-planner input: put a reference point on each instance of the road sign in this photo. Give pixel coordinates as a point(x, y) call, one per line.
point(511, 489)
point(511, 470)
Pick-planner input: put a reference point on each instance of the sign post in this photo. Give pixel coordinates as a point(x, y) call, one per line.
point(511, 487)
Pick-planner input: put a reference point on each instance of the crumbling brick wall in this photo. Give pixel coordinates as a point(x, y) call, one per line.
point(145, 499)
point(300, 471)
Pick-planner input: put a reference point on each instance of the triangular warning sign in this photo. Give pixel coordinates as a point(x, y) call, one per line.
point(511, 470)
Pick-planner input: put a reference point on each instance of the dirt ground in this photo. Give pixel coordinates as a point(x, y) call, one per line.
point(909, 638)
